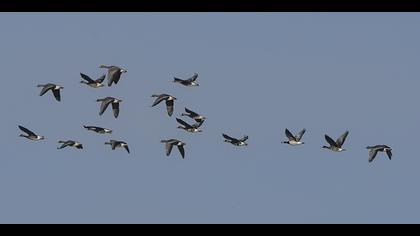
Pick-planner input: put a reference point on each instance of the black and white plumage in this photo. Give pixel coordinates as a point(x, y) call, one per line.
point(197, 117)
point(118, 144)
point(294, 139)
point(194, 128)
point(336, 146)
point(190, 82)
point(174, 142)
point(98, 130)
point(169, 102)
point(373, 151)
point(30, 135)
point(234, 141)
point(114, 74)
point(92, 83)
point(70, 143)
point(53, 87)
point(110, 100)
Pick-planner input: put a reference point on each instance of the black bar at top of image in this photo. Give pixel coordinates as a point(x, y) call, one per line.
point(209, 6)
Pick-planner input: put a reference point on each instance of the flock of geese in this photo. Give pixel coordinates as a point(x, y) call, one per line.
point(114, 75)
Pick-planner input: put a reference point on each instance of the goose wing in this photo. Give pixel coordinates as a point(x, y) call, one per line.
point(168, 147)
point(342, 139)
point(188, 126)
point(330, 141)
point(300, 135)
point(170, 107)
point(27, 131)
point(182, 151)
point(192, 78)
point(101, 79)
point(389, 153)
point(193, 114)
point(114, 75)
point(289, 135)
point(230, 138)
point(57, 94)
point(159, 99)
point(372, 154)
point(104, 105)
point(244, 138)
point(87, 78)
point(46, 88)
point(116, 109)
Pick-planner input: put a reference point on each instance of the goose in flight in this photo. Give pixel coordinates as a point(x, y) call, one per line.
point(190, 82)
point(294, 140)
point(114, 74)
point(70, 143)
point(373, 150)
point(53, 87)
point(169, 102)
point(170, 143)
point(336, 146)
point(92, 83)
point(193, 115)
point(30, 135)
point(234, 141)
point(98, 130)
point(105, 103)
point(118, 144)
point(189, 128)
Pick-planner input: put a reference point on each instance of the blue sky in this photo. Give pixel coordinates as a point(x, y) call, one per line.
point(259, 73)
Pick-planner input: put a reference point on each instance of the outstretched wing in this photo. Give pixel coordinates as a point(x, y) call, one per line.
point(126, 148)
point(289, 135)
point(330, 141)
point(228, 137)
point(87, 78)
point(244, 138)
point(168, 147)
point(188, 126)
point(170, 107)
point(104, 106)
point(101, 79)
point(114, 75)
point(27, 131)
point(116, 109)
point(372, 154)
point(57, 94)
point(46, 88)
point(158, 100)
point(198, 124)
point(389, 153)
point(182, 151)
point(191, 112)
point(300, 135)
point(342, 139)
point(193, 78)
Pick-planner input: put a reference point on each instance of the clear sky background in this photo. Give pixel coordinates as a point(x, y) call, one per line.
point(259, 73)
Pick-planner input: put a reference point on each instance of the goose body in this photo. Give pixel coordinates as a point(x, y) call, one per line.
point(193, 115)
point(373, 151)
point(190, 82)
point(70, 143)
point(114, 74)
point(336, 146)
point(92, 83)
point(294, 139)
point(53, 87)
point(98, 130)
point(30, 135)
point(174, 142)
point(105, 103)
point(189, 128)
point(235, 141)
point(169, 102)
point(118, 144)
